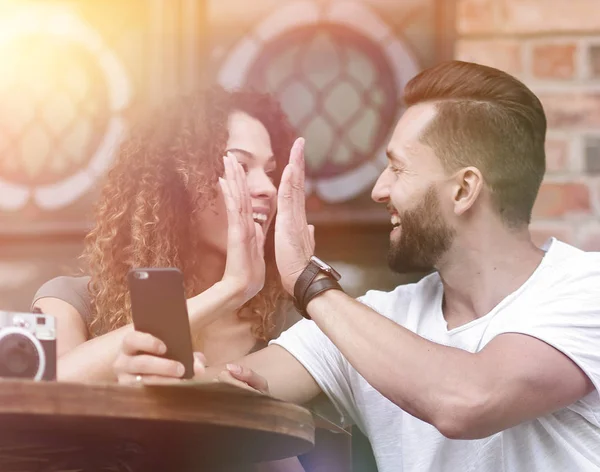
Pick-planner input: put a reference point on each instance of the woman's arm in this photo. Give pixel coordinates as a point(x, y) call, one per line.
point(91, 360)
point(80, 359)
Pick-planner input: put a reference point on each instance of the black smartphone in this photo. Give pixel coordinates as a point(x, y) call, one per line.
point(159, 307)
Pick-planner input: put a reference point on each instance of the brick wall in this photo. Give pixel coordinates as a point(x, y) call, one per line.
point(554, 47)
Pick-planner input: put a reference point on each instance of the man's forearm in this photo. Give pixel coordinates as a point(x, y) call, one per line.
point(435, 383)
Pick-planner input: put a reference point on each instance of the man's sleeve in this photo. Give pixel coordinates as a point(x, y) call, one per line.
point(567, 318)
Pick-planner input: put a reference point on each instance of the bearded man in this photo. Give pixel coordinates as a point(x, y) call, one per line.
point(490, 363)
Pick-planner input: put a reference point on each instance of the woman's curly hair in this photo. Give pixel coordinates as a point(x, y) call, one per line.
point(164, 175)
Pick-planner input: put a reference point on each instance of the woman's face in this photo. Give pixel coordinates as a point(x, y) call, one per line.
point(250, 143)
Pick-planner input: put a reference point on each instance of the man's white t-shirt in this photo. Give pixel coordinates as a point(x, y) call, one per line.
point(559, 304)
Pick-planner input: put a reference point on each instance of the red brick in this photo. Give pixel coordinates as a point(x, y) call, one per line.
point(546, 16)
point(554, 61)
point(557, 154)
point(502, 54)
point(560, 199)
point(571, 109)
point(475, 16)
point(542, 231)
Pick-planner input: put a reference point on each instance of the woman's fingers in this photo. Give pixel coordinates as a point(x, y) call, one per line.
point(146, 369)
point(249, 377)
point(239, 201)
point(145, 364)
point(238, 188)
point(245, 193)
point(152, 365)
point(228, 188)
point(227, 198)
point(136, 341)
point(230, 177)
point(245, 253)
point(233, 215)
point(140, 356)
point(245, 203)
point(226, 377)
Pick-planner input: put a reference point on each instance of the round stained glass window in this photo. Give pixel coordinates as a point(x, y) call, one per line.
point(338, 70)
point(63, 92)
point(54, 110)
point(338, 90)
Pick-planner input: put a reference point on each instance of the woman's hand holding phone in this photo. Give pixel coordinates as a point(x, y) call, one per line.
point(140, 361)
point(141, 356)
point(245, 267)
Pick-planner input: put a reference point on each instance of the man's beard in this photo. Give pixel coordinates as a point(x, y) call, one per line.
point(424, 239)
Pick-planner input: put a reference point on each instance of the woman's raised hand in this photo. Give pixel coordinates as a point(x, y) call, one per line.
point(245, 267)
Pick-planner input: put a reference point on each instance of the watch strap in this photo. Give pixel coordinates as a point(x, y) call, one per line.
point(306, 278)
point(318, 287)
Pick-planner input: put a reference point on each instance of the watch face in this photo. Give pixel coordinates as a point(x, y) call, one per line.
point(326, 268)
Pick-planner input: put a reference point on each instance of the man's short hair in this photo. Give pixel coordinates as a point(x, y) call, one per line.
point(490, 120)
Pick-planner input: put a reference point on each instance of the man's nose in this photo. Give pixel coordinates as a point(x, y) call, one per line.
point(381, 190)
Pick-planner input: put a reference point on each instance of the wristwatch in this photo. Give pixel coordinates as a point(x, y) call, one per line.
point(306, 287)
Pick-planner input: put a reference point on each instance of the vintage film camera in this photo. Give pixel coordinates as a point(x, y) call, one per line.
point(27, 346)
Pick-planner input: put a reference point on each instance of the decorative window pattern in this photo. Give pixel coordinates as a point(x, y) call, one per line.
point(339, 70)
point(71, 72)
point(63, 91)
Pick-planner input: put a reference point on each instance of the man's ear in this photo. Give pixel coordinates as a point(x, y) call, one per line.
point(467, 186)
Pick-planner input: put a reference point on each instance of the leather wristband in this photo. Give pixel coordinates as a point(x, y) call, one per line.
point(306, 287)
point(306, 278)
point(316, 288)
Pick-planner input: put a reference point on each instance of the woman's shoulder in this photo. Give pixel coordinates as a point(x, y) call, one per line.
point(72, 290)
point(65, 283)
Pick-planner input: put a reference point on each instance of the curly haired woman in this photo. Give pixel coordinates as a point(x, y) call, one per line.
point(162, 206)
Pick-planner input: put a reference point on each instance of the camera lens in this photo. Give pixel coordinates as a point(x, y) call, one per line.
point(19, 357)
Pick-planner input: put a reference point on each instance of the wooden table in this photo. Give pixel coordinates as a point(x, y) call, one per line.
point(56, 427)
